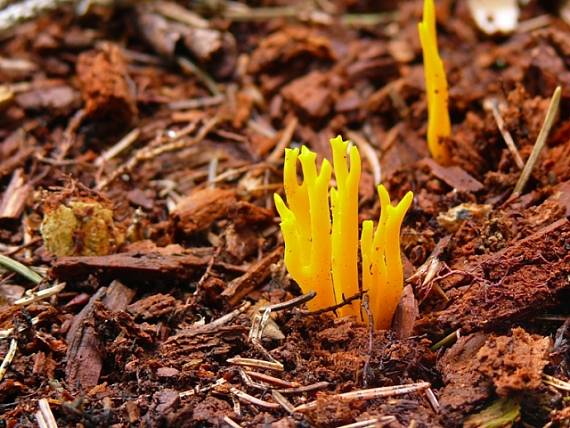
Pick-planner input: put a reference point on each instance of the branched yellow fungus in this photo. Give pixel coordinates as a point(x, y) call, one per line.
point(322, 255)
point(382, 272)
point(344, 203)
point(306, 225)
point(439, 124)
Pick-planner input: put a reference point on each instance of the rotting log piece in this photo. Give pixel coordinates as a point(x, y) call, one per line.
point(199, 210)
point(524, 279)
point(132, 266)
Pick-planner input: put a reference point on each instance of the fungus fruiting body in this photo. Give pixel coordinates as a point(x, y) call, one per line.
point(382, 272)
point(439, 124)
point(306, 225)
point(319, 224)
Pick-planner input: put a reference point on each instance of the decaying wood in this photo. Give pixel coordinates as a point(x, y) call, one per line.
point(527, 277)
point(84, 359)
point(406, 314)
point(14, 198)
point(202, 208)
point(258, 273)
point(156, 265)
point(453, 176)
point(105, 85)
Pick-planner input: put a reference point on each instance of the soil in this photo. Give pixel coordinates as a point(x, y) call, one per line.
point(140, 147)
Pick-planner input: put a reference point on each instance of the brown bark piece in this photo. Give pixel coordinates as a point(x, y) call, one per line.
point(211, 410)
point(242, 286)
point(14, 151)
point(200, 209)
point(514, 362)
point(163, 402)
point(84, 360)
point(562, 196)
point(133, 266)
point(62, 99)
point(465, 387)
point(154, 306)
point(406, 314)
point(283, 47)
point(212, 48)
point(522, 279)
point(118, 296)
point(105, 85)
point(453, 176)
point(311, 93)
point(14, 198)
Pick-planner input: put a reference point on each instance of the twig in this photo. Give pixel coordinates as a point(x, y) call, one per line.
point(297, 301)
point(8, 331)
point(225, 318)
point(282, 400)
point(370, 319)
point(552, 318)
point(25, 10)
point(432, 400)
point(252, 362)
point(212, 171)
point(40, 295)
point(253, 400)
point(493, 105)
point(307, 388)
point(191, 68)
point(8, 358)
point(258, 325)
point(369, 394)
point(179, 13)
point(198, 390)
point(19, 268)
point(271, 379)
point(150, 153)
point(44, 415)
point(369, 153)
point(533, 24)
point(120, 146)
point(16, 249)
point(334, 307)
point(231, 422)
point(283, 142)
point(556, 383)
point(196, 103)
point(250, 382)
point(69, 134)
point(302, 13)
point(447, 340)
point(551, 114)
point(375, 422)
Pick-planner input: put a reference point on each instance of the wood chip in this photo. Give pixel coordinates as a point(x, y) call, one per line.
point(453, 176)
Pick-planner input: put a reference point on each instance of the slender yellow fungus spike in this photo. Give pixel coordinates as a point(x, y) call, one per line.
point(323, 256)
point(436, 86)
point(382, 272)
point(306, 226)
point(344, 201)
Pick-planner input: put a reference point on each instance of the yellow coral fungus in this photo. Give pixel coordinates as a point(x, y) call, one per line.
point(439, 124)
point(323, 256)
point(382, 272)
point(306, 225)
point(344, 203)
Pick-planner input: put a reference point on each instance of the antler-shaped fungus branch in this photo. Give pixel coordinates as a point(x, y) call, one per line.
point(306, 225)
point(439, 124)
point(382, 272)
